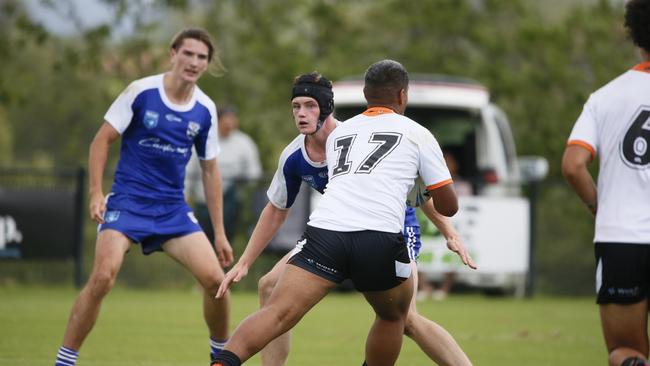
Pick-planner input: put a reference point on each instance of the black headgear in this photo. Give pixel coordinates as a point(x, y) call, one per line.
point(318, 88)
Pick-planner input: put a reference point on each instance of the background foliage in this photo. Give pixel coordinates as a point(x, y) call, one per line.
point(539, 59)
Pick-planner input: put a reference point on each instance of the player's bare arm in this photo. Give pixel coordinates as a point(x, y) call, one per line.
point(96, 163)
point(444, 199)
point(574, 168)
point(211, 177)
point(267, 226)
point(454, 242)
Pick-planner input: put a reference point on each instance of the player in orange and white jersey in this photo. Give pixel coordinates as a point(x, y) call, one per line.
point(615, 126)
point(355, 231)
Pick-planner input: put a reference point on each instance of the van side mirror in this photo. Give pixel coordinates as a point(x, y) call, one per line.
point(532, 168)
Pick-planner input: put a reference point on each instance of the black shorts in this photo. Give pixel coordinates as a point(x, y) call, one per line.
point(622, 272)
point(372, 260)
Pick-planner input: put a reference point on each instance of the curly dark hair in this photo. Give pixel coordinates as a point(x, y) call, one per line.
point(637, 22)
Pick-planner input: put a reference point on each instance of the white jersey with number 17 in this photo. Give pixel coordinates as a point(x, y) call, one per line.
point(615, 124)
point(373, 160)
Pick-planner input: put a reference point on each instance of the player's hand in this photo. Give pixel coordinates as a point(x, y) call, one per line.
point(224, 250)
point(238, 272)
point(97, 207)
point(456, 245)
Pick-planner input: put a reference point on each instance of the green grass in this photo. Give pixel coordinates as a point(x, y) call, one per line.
point(165, 327)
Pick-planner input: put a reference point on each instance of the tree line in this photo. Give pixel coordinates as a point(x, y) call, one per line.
point(539, 64)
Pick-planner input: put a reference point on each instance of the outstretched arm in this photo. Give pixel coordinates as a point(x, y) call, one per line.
point(454, 242)
point(267, 226)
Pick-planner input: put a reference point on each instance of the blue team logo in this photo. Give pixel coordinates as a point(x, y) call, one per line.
point(193, 129)
point(150, 119)
point(111, 216)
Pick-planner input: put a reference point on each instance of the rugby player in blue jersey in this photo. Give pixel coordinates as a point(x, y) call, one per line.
point(159, 119)
point(303, 160)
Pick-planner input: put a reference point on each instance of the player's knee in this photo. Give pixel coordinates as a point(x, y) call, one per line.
point(392, 313)
point(265, 287)
point(101, 282)
point(391, 316)
point(212, 285)
point(410, 325)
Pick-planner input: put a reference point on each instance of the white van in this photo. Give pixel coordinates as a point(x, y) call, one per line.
point(493, 218)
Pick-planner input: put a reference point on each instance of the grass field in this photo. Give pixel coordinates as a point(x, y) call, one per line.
point(164, 328)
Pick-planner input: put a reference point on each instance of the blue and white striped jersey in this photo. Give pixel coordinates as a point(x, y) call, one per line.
point(157, 138)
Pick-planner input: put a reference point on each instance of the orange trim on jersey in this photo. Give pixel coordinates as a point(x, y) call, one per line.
point(643, 67)
point(375, 111)
point(438, 185)
point(583, 144)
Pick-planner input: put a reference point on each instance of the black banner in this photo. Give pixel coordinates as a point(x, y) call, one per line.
point(41, 215)
point(37, 224)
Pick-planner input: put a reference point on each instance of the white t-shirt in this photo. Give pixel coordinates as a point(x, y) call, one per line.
point(373, 160)
point(615, 124)
point(238, 159)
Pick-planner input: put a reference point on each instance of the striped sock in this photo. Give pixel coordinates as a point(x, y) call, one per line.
point(66, 357)
point(216, 347)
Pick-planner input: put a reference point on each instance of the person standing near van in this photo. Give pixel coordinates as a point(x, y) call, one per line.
point(239, 162)
point(614, 125)
point(159, 119)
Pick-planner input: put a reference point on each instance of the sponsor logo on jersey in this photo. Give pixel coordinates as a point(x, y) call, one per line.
point(193, 129)
point(150, 119)
point(154, 143)
point(173, 118)
point(323, 174)
point(111, 216)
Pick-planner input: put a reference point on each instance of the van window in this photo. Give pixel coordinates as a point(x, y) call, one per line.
point(455, 130)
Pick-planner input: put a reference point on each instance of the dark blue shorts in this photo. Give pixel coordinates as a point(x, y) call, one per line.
point(146, 222)
point(413, 243)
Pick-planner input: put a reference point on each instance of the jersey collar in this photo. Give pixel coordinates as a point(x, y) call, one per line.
point(375, 111)
point(643, 67)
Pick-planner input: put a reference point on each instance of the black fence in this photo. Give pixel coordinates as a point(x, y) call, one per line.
point(41, 215)
point(41, 219)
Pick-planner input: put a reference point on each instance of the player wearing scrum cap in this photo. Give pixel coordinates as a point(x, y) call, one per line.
point(303, 160)
point(385, 252)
